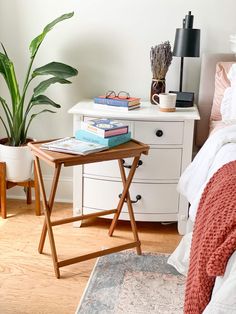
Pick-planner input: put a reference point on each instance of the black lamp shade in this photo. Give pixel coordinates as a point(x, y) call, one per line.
point(187, 42)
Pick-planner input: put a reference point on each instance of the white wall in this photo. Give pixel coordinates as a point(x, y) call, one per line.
point(109, 42)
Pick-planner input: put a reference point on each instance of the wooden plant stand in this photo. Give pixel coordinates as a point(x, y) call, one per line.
point(56, 160)
point(5, 185)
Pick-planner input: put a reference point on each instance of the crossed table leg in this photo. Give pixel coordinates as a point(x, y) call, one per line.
point(48, 224)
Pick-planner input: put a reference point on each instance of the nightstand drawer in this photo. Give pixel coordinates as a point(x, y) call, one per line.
point(159, 164)
point(159, 133)
point(155, 198)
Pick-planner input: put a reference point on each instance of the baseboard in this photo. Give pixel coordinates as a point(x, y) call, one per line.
point(64, 191)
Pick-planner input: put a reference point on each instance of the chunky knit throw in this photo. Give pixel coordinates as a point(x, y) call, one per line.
point(214, 238)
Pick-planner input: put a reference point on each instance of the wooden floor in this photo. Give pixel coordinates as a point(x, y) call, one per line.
point(27, 281)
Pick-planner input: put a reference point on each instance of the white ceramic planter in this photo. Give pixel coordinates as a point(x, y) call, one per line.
point(19, 162)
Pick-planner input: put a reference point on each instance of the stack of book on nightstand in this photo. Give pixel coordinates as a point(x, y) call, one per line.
point(103, 131)
point(117, 103)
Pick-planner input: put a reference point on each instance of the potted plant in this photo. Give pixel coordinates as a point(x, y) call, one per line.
point(20, 111)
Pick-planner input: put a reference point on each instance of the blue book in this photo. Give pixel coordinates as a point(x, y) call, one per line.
point(117, 102)
point(83, 135)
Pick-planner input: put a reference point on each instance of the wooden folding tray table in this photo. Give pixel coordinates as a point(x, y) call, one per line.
point(56, 160)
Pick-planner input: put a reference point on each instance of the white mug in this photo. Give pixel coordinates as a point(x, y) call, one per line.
point(167, 101)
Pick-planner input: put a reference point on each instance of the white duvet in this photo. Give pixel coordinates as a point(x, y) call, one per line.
point(219, 149)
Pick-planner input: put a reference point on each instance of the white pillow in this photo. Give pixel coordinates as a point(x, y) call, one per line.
point(228, 105)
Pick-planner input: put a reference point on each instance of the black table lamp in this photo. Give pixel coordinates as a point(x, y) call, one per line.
point(187, 44)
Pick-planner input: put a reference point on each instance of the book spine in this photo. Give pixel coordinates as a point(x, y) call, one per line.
point(117, 140)
point(117, 108)
point(115, 132)
point(111, 102)
point(83, 135)
point(111, 142)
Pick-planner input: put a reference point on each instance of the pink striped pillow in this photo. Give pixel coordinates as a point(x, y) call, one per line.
point(221, 83)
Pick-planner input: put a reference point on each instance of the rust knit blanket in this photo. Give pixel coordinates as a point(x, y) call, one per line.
point(214, 238)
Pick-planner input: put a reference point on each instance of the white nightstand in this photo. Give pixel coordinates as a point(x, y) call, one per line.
point(170, 136)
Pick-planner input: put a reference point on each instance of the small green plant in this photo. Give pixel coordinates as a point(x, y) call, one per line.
point(19, 113)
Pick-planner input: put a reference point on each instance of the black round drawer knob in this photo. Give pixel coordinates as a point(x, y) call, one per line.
point(159, 133)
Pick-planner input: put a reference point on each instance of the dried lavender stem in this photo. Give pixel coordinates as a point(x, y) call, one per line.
point(161, 57)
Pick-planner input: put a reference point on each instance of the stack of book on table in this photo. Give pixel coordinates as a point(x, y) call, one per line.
point(105, 132)
point(117, 103)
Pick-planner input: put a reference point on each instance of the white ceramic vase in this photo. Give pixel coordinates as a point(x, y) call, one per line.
point(19, 162)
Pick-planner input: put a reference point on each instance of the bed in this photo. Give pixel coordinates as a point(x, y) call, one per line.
point(207, 253)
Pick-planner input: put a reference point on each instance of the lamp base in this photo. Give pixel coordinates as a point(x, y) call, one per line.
point(184, 99)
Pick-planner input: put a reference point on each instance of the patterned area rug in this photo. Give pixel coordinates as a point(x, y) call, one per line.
point(128, 283)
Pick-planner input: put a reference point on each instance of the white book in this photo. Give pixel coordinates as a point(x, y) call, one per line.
point(71, 145)
point(104, 127)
